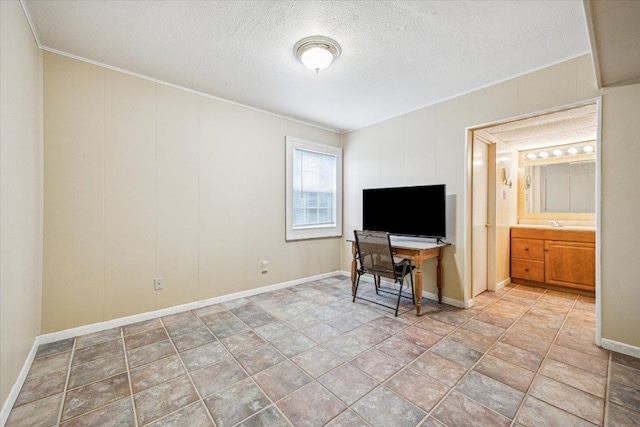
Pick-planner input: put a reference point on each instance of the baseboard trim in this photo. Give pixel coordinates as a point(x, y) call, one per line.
point(122, 321)
point(502, 284)
point(17, 386)
point(114, 323)
point(620, 347)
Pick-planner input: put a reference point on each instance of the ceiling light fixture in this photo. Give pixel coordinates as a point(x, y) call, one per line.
point(317, 52)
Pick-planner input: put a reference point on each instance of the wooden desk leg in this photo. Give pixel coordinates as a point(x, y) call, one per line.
point(354, 252)
point(439, 276)
point(418, 287)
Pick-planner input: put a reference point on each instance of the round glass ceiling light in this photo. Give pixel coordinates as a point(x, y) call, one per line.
point(317, 52)
point(557, 152)
point(532, 156)
point(588, 149)
point(573, 151)
point(543, 154)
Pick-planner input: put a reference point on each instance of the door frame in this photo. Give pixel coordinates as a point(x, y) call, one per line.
point(491, 211)
point(468, 197)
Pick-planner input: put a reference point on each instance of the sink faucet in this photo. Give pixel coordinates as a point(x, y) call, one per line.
point(557, 223)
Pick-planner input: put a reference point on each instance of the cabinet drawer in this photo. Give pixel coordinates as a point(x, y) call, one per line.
point(527, 248)
point(527, 269)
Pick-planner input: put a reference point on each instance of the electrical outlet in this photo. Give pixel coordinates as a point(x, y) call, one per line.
point(265, 266)
point(157, 282)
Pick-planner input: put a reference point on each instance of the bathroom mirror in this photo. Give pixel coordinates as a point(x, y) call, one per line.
point(560, 187)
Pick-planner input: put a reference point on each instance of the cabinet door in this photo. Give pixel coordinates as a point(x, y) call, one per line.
point(570, 264)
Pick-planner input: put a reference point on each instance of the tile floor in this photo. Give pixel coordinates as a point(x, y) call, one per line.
point(308, 356)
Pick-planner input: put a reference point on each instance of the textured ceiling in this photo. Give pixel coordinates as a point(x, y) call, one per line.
point(397, 56)
point(578, 124)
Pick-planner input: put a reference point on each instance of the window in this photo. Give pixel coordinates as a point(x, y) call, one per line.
point(314, 190)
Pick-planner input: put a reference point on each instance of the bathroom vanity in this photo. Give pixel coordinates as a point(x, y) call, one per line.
point(554, 257)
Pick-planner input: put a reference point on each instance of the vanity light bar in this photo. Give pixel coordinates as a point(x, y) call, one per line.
point(572, 151)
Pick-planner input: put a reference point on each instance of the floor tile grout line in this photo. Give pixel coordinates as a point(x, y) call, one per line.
point(94, 382)
point(313, 379)
point(406, 325)
point(249, 376)
point(126, 362)
point(200, 399)
point(405, 365)
point(385, 381)
point(538, 371)
point(452, 388)
point(66, 383)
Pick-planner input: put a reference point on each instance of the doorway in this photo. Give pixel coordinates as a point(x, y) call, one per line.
point(565, 131)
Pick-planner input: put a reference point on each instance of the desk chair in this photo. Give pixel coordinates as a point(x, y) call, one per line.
point(375, 256)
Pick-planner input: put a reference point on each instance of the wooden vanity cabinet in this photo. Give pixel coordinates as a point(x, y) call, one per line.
point(565, 258)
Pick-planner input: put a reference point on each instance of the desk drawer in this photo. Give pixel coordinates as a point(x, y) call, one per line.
point(527, 269)
point(527, 248)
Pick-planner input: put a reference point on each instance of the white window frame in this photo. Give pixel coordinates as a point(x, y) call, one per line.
point(312, 231)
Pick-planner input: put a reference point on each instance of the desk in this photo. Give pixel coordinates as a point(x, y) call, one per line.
point(416, 250)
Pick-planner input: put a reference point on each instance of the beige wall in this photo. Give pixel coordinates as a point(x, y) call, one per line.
point(506, 209)
point(620, 219)
point(20, 192)
point(143, 180)
point(427, 146)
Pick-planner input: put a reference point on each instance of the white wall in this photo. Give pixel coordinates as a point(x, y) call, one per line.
point(20, 192)
point(143, 180)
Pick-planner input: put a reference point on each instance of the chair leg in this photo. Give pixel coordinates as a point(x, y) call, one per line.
point(399, 295)
point(355, 292)
point(376, 282)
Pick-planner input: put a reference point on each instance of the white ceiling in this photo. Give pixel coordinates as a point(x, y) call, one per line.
point(397, 56)
point(570, 126)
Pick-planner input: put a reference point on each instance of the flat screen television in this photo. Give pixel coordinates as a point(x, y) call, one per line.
point(409, 211)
